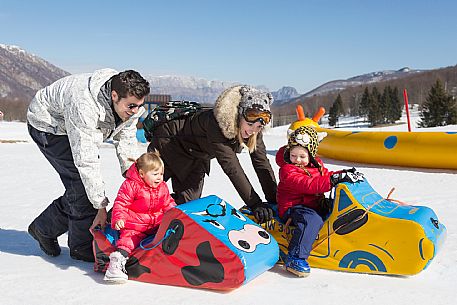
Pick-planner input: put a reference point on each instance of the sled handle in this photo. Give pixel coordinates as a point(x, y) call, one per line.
point(167, 234)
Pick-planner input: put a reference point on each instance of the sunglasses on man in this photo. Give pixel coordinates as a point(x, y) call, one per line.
point(133, 106)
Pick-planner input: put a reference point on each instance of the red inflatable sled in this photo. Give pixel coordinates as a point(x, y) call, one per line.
point(205, 243)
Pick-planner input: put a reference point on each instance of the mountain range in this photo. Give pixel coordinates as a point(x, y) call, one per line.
point(189, 87)
point(22, 74)
point(364, 79)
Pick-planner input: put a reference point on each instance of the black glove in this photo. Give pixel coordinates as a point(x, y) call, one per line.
point(339, 177)
point(262, 212)
point(349, 170)
point(350, 176)
point(325, 207)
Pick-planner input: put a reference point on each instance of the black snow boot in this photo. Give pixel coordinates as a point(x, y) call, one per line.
point(50, 246)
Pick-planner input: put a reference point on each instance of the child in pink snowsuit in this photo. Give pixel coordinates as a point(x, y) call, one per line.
point(142, 200)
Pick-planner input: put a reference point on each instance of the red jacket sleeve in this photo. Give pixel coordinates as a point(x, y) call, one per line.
point(122, 202)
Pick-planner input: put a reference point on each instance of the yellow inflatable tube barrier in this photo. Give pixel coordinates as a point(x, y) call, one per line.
point(411, 149)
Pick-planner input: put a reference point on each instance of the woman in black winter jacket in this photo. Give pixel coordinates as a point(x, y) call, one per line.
point(236, 122)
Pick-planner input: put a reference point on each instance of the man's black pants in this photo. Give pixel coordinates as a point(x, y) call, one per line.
point(72, 211)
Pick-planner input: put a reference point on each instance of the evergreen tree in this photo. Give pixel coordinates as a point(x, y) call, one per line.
point(396, 106)
point(391, 104)
point(384, 105)
point(439, 109)
point(335, 111)
point(365, 102)
point(374, 109)
point(333, 115)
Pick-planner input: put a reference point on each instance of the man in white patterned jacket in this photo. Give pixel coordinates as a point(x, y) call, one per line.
point(68, 120)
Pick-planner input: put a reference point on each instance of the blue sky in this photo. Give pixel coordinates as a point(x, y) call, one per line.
point(272, 43)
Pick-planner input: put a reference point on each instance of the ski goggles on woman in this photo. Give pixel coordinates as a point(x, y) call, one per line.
point(253, 115)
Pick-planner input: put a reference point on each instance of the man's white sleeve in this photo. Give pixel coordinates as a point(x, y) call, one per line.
point(85, 139)
point(127, 145)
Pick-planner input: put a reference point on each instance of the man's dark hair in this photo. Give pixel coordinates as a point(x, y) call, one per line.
point(128, 83)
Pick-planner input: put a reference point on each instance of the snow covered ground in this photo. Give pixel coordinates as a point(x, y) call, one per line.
point(28, 184)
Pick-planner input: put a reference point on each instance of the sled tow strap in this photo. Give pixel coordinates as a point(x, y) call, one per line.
point(167, 234)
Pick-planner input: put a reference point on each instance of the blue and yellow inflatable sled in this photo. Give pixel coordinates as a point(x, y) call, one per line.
point(369, 234)
point(205, 243)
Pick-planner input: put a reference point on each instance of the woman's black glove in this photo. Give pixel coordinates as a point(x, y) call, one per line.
point(262, 212)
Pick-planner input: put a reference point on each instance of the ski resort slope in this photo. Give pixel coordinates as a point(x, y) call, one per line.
point(28, 184)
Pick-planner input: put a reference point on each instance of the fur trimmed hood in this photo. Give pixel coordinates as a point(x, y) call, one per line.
point(226, 108)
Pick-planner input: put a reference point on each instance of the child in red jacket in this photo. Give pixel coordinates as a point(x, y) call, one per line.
point(142, 200)
point(300, 194)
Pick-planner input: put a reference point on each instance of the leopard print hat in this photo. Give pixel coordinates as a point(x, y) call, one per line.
point(305, 136)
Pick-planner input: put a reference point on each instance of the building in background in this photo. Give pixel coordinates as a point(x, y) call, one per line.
point(152, 100)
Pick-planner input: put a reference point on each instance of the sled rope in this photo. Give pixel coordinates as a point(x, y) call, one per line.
point(167, 234)
point(399, 202)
